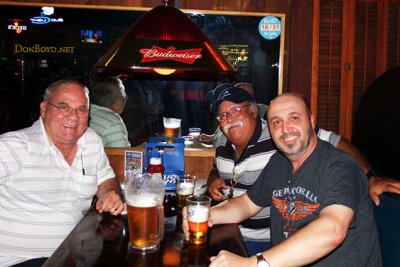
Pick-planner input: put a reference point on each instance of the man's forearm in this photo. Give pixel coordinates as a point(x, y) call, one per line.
point(213, 175)
point(108, 186)
point(314, 241)
point(234, 210)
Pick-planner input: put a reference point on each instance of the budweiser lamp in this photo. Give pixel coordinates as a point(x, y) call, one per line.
point(165, 43)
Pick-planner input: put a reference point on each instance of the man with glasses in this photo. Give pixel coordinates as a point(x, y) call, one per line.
point(321, 214)
point(49, 174)
point(108, 99)
point(241, 154)
point(246, 147)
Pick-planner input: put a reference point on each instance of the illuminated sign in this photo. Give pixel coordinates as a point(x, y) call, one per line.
point(16, 27)
point(43, 49)
point(43, 18)
point(47, 10)
point(156, 53)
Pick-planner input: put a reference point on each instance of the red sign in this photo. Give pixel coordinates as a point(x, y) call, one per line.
point(157, 53)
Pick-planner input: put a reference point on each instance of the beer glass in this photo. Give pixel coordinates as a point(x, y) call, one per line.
point(184, 188)
point(198, 211)
point(172, 127)
point(195, 132)
point(144, 200)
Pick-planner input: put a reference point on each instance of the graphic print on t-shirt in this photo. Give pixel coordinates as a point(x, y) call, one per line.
point(292, 211)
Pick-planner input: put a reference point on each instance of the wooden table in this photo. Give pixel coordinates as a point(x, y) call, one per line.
point(102, 240)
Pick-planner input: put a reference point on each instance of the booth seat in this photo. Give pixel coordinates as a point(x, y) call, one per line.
point(387, 218)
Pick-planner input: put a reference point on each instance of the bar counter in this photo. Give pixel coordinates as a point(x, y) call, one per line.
point(102, 240)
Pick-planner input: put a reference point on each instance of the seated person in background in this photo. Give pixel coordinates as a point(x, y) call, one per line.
point(243, 151)
point(108, 99)
point(49, 174)
point(321, 214)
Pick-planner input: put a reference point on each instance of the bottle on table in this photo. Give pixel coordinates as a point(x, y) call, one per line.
point(156, 169)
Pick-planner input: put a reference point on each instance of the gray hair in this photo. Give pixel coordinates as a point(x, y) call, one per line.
point(53, 87)
point(106, 91)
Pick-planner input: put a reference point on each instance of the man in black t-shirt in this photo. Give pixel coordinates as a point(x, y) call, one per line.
point(321, 214)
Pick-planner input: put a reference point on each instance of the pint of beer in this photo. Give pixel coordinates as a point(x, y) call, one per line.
point(198, 213)
point(144, 198)
point(172, 127)
point(184, 188)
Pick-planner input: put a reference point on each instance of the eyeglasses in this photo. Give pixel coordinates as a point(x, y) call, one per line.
point(233, 112)
point(65, 109)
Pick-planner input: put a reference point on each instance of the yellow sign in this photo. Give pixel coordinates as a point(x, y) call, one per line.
point(43, 49)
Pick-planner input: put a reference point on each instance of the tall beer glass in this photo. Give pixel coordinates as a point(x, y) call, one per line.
point(144, 199)
point(184, 188)
point(172, 127)
point(198, 213)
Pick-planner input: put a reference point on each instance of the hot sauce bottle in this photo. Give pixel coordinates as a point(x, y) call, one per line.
point(155, 168)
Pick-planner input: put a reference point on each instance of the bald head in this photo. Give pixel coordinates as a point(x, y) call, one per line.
point(291, 98)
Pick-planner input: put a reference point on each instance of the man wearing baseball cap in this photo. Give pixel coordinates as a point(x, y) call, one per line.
point(244, 150)
point(241, 154)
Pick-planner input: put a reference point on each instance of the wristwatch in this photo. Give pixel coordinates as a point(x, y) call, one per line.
point(261, 261)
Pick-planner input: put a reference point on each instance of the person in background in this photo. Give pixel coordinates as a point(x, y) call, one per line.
point(97, 38)
point(321, 214)
point(108, 99)
point(50, 173)
point(243, 151)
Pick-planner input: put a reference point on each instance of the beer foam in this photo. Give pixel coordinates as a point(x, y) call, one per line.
point(198, 213)
point(144, 200)
point(172, 124)
point(194, 134)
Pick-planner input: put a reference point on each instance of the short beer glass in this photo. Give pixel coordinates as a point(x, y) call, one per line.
point(198, 212)
point(195, 132)
point(144, 200)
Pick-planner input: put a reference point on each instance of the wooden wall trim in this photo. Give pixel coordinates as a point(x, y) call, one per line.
point(315, 60)
point(381, 37)
point(347, 75)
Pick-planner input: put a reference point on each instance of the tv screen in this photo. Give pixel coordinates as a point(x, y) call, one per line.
point(92, 36)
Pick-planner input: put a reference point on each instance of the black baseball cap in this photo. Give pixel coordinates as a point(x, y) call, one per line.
point(227, 92)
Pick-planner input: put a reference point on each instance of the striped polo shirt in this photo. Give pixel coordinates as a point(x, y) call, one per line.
point(42, 197)
point(109, 126)
point(253, 160)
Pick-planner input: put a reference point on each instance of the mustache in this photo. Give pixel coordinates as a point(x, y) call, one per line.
point(232, 124)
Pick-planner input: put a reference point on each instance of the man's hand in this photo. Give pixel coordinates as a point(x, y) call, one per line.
point(215, 188)
point(378, 185)
point(228, 259)
point(110, 202)
point(185, 223)
point(206, 138)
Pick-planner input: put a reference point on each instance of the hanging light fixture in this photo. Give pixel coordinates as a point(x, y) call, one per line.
point(165, 43)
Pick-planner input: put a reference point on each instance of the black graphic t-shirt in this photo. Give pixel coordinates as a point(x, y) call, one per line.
point(327, 177)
